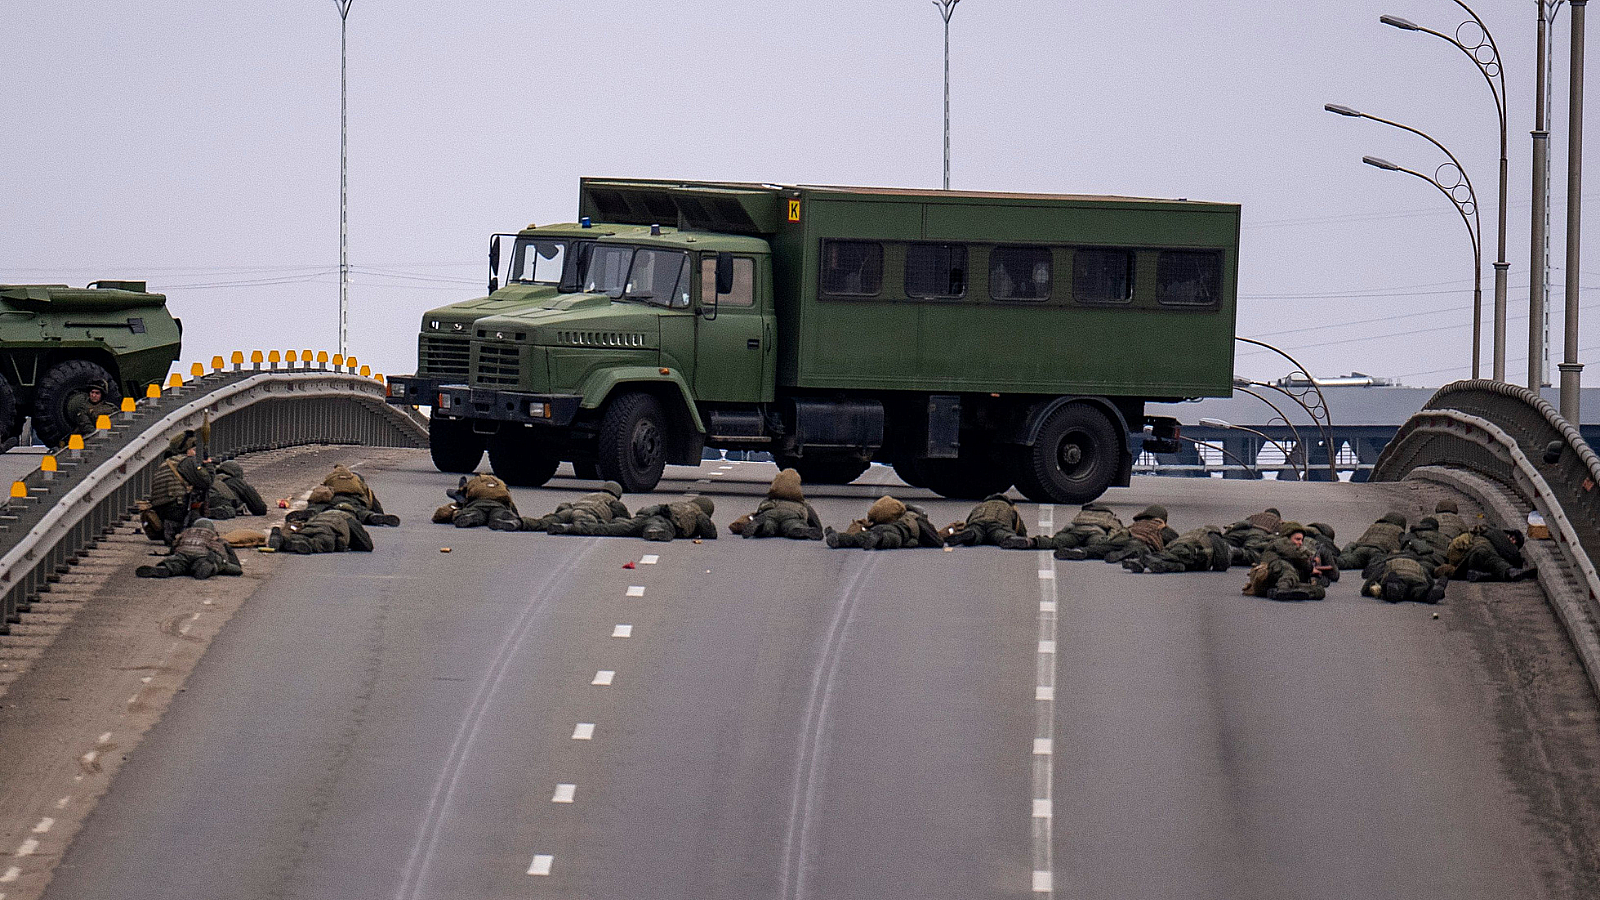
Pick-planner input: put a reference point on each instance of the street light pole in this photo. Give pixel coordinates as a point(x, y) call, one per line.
point(1467, 207)
point(1485, 54)
point(1571, 369)
point(344, 188)
point(946, 8)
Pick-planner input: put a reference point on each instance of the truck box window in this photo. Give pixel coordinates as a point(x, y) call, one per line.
point(744, 281)
point(1019, 273)
point(1102, 276)
point(1189, 277)
point(936, 271)
point(852, 268)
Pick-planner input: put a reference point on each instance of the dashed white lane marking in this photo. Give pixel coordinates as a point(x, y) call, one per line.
point(27, 848)
point(44, 825)
point(188, 624)
point(604, 676)
point(541, 864)
point(635, 590)
point(649, 559)
point(715, 474)
point(145, 680)
point(622, 631)
point(1044, 695)
point(564, 793)
point(104, 738)
point(62, 803)
point(11, 874)
point(703, 481)
point(584, 731)
point(90, 757)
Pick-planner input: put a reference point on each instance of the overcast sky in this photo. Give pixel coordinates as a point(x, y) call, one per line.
point(196, 145)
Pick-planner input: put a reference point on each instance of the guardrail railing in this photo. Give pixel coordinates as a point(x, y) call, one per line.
point(53, 516)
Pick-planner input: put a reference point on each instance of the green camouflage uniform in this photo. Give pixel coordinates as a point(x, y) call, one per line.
point(889, 525)
point(1379, 540)
point(1447, 514)
point(1287, 571)
point(329, 531)
point(598, 508)
point(482, 500)
point(1426, 544)
point(1149, 533)
point(82, 413)
point(1250, 536)
point(663, 522)
point(1485, 554)
point(1319, 540)
point(1094, 520)
point(199, 552)
point(352, 494)
point(994, 521)
point(784, 513)
point(1197, 550)
point(1402, 579)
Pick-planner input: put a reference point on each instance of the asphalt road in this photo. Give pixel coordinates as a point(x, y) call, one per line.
point(525, 717)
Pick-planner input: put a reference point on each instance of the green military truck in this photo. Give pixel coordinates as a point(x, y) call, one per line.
point(974, 341)
point(56, 340)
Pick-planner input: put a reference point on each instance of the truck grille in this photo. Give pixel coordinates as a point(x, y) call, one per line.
point(499, 365)
point(447, 356)
point(600, 338)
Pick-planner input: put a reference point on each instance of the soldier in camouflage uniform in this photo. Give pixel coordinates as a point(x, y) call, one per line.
point(199, 552)
point(1448, 515)
point(84, 409)
point(352, 494)
point(230, 489)
point(994, 521)
point(1379, 540)
point(1094, 520)
point(180, 490)
point(1287, 570)
point(330, 531)
point(890, 525)
point(1426, 544)
point(1197, 550)
point(1149, 533)
point(1486, 554)
point(599, 508)
point(689, 518)
point(1325, 553)
point(1402, 579)
point(482, 500)
point(785, 513)
point(1250, 536)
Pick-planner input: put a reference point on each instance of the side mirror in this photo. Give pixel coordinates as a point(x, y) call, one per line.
point(724, 273)
point(494, 263)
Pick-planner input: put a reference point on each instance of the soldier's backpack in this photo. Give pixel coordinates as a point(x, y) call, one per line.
point(1256, 582)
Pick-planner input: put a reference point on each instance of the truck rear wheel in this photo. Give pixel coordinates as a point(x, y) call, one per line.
point(51, 394)
point(818, 469)
point(1073, 460)
point(515, 456)
point(963, 478)
point(632, 447)
point(454, 446)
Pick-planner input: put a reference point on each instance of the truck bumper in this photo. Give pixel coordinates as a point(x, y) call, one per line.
point(414, 390)
point(461, 402)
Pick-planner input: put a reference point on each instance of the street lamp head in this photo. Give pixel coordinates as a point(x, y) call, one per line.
point(1340, 110)
point(1378, 163)
point(1215, 423)
point(1402, 24)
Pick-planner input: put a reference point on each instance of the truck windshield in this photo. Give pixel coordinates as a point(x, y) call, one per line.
point(658, 277)
point(538, 262)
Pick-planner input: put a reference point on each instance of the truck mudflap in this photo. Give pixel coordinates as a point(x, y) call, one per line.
point(413, 390)
point(461, 402)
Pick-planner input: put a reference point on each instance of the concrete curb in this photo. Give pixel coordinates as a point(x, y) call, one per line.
point(1564, 587)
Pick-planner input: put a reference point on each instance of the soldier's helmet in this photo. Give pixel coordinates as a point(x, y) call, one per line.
point(786, 486)
point(1427, 523)
point(1000, 496)
point(1395, 519)
point(1152, 512)
point(1273, 510)
point(98, 385)
point(1324, 528)
point(207, 524)
point(182, 443)
point(705, 504)
point(1446, 506)
point(321, 494)
point(612, 488)
point(1395, 590)
point(885, 509)
point(1290, 528)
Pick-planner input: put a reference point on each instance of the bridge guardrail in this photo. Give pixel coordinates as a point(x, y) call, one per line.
point(67, 511)
point(1510, 435)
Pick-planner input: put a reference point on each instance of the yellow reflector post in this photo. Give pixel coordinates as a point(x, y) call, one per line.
point(338, 360)
point(256, 357)
point(379, 376)
point(291, 357)
point(102, 423)
point(216, 364)
point(366, 371)
point(18, 489)
point(48, 463)
point(197, 371)
point(175, 381)
point(305, 357)
point(351, 362)
point(127, 404)
point(322, 357)
point(152, 391)
point(75, 442)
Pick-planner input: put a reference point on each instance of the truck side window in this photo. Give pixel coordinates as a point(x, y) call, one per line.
point(1102, 276)
point(1019, 273)
point(852, 268)
point(744, 281)
point(1189, 277)
point(936, 270)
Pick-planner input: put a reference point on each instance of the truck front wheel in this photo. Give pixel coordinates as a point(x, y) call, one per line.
point(454, 446)
point(1074, 458)
point(632, 446)
point(518, 459)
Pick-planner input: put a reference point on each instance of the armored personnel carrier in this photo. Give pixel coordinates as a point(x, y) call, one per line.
point(57, 340)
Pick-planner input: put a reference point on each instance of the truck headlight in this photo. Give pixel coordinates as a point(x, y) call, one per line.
point(539, 410)
point(444, 401)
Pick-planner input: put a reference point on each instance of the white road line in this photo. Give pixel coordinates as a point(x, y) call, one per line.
point(604, 676)
point(564, 793)
point(1044, 695)
point(541, 864)
point(583, 732)
point(27, 848)
point(11, 874)
point(188, 624)
point(44, 825)
point(104, 738)
point(62, 803)
point(622, 631)
point(90, 757)
point(145, 680)
point(649, 559)
point(715, 474)
point(636, 590)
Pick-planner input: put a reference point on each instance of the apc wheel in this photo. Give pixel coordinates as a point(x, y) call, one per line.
point(516, 457)
point(1074, 459)
point(454, 446)
point(632, 449)
point(825, 469)
point(51, 394)
point(963, 478)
